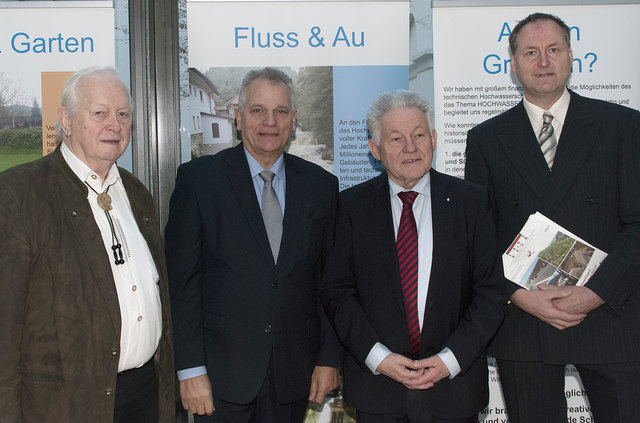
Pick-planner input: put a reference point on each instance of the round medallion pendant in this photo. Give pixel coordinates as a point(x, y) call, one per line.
point(104, 201)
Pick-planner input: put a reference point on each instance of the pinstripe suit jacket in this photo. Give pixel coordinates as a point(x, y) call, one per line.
point(593, 192)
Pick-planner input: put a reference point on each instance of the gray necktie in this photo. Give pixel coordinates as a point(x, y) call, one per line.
point(271, 213)
point(547, 139)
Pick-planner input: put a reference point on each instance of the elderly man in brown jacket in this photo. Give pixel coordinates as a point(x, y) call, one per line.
point(85, 330)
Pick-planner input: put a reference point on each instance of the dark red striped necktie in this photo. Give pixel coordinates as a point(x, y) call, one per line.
point(407, 245)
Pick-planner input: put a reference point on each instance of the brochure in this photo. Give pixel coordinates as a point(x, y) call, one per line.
point(546, 253)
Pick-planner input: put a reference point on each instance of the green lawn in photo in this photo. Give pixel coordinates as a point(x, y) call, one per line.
point(11, 156)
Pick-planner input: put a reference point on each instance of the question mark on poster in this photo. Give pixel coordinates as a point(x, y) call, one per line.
point(595, 57)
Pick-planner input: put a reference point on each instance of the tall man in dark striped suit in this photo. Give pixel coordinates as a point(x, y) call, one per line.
point(575, 160)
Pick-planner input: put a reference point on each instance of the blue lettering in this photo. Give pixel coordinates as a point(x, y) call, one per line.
point(71, 45)
point(86, 40)
point(20, 43)
point(504, 32)
point(579, 62)
point(26, 47)
point(492, 64)
point(278, 41)
point(264, 39)
point(238, 36)
point(293, 39)
point(340, 36)
point(354, 42)
point(267, 43)
point(39, 45)
point(574, 30)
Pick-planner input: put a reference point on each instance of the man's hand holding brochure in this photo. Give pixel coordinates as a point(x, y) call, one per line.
point(546, 253)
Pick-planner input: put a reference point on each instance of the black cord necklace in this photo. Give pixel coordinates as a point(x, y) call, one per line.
point(104, 201)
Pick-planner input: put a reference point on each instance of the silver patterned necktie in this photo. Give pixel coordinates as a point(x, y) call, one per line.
point(271, 213)
point(547, 139)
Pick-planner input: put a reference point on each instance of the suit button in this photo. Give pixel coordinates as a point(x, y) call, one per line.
point(516, 203)
point(114, 352)
point(590, 200)
point(267, 329)
point(108, 391)
point(275, 284)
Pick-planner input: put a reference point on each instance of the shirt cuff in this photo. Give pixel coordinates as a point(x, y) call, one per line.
point(191, 372)
point(378, 353)
point(450, 360)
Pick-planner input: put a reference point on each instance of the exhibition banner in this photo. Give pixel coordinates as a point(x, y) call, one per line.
point(340, 55)
point(37, 39)
point(472, 74)
point(473, 82)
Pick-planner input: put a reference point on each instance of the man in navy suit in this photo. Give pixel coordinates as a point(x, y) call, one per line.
point(253, 343)
point(415, 304)
point(575, 160)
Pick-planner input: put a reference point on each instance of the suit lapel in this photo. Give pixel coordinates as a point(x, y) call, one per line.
point(520, 145)
point(86, 232)
point(576, 141)
point(242, 186)
point(378, 209)
point(294, 198)
point(442, 214)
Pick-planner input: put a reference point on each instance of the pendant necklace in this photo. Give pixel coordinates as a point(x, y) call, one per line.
point(104, 201)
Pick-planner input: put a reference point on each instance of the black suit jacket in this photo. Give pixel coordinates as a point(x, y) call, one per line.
point(593, 192)
point(234, 307)
point(363, 296)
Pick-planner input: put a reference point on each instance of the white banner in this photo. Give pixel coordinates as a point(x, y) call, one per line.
point(307, 33)
point(472, 75)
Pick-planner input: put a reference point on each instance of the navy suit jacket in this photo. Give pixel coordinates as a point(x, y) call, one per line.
point(593, 192)
point(363, 296)
point(234, 308)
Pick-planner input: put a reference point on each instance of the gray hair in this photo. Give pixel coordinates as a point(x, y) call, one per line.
point(537, 17)
point(396, 99)
point(273, 75)
point(69, 96)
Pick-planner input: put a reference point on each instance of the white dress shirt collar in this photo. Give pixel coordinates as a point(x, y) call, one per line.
point(84, 172)
point(423, 186)
point(558, 110)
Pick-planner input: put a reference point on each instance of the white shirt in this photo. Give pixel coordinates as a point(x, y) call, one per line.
point(136, 281)
point(558, 111)
point(424, 224)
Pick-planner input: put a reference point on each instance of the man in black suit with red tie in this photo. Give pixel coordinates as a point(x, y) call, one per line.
point(575, 160)
point(412, 285)
point(247, 235)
